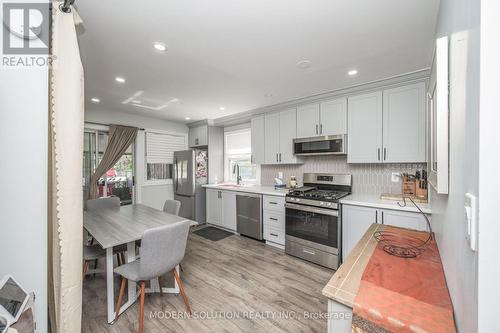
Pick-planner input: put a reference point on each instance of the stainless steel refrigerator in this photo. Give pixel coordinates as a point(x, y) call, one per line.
point(190, 173)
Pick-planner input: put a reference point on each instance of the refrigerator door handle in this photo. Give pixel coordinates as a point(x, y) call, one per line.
point(176, 175)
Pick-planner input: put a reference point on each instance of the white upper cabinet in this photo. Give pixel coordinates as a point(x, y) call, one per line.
point(258, 139)
point(308, 120)
point(272, 137)
point(388, 126)
point(280, 130)
point(326, 118)
point(288, 132)
point(364, 128)
point(404, 124)
point(333, 117)
point(198, 136)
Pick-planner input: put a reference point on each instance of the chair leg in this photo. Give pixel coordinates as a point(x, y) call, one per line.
point(120, 297)
point(118, 259)
point(141, 310)
point(122, 255)
point(85, 268)
point(159, 285)
point(183, 292)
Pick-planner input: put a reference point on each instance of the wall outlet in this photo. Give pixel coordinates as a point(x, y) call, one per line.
point(395, 177)
point(280, 175)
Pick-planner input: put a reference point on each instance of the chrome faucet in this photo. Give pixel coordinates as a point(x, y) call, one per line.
point(236, 169)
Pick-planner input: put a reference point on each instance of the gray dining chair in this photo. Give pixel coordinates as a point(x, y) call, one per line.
point(163, 248)
point(172, 207)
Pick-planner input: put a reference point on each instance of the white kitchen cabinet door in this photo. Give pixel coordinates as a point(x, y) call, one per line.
point(288, 132)
point(229, 210)
point(198, 136)
point(333, 117)
point(355, 221)
point(258, 140)
point(308, 120)
point(214, 207)
point(401, 219)
point(404, 124)
point(272, 137)
point(364, 128)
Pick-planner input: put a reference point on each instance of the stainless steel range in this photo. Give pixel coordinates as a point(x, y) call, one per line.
point(313, 224)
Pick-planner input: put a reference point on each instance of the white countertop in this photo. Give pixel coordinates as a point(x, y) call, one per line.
point(373, 200)
point(266, 190)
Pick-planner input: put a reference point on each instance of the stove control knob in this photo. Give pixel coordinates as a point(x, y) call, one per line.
point(321, 203)
point(329, 204)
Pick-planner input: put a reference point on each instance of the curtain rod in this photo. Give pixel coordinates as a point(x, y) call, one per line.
point(94, 123)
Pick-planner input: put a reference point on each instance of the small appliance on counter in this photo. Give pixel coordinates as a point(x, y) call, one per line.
point(278, 183)
point(313, 227)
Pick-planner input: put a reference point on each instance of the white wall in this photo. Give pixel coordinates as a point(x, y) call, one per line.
point(448, 218)
point(23, 180)
point(151, 195)
point(489, 160)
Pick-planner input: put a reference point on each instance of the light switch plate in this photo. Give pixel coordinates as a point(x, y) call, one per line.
point(471, 220)
point(280, 175)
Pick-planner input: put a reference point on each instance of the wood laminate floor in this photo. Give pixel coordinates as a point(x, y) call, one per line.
point(236, 276)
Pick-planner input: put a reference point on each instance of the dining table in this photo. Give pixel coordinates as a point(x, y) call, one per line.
point(111, 227)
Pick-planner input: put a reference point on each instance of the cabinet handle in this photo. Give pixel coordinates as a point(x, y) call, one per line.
point(309, 252)
point(382, 212)
point(275, 235)
point(273, 203)
point(376, 217)
point(280, 157)
point(317, 129)
point(385, 153)
point(276, 157)
point(320, 128)
point(274, 219)
point(378, 154)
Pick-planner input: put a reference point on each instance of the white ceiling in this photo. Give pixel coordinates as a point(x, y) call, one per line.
point(237, 53)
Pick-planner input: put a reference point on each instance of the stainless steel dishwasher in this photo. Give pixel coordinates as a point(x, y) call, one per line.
point(249, 215)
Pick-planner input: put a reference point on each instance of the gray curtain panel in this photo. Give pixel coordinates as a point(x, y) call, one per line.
point(120, 138)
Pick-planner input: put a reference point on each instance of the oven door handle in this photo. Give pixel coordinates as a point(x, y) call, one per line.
point(330, 212)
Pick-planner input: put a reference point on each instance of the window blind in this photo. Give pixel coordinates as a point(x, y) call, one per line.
point(160, 147)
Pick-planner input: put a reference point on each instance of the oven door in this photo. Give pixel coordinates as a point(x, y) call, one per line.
point(312, 224)
point(322, 145)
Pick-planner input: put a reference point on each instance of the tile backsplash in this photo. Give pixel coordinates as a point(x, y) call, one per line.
point(366, 178)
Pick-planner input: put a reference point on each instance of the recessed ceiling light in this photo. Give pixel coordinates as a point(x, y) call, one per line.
point(95, 100)
point(222, 108)
point(187, 118)
point(352, 72)
point(160, 46)
point(119, 79)
point(303, 64)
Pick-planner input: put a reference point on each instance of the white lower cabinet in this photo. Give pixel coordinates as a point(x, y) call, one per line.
point(357, 219)
point(273, 216)
point(229, 210)
point(221, 208)
point(214, 207)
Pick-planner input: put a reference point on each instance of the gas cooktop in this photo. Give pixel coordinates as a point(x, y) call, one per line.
point(317, 194)
point(321, 190)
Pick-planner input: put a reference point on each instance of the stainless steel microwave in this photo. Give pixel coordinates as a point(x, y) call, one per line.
point(321, 145)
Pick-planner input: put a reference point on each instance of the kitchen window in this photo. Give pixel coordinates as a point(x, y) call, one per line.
point(160, 149)
point(238, 151)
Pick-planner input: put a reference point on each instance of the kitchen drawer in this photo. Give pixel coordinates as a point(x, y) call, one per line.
point(274, 234)
point(276, 204)
point(274, 220)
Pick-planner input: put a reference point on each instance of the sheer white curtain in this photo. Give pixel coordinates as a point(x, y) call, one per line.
point(65, 186)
